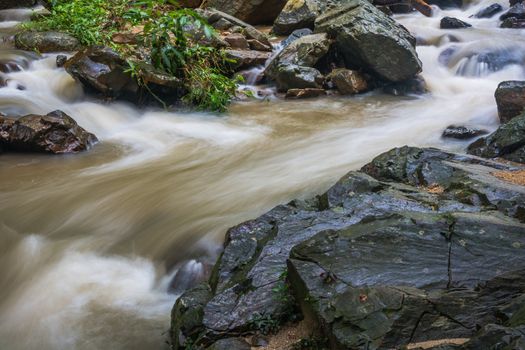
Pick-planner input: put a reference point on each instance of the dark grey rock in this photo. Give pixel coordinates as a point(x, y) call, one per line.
point(293, 67)
point(508, 142)
point(370, 40)
point(430, 221)
point(453, 23)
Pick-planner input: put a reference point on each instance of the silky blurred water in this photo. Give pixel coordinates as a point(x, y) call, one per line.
point(89, 242)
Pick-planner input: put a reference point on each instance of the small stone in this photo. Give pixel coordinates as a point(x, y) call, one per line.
point(237, 41)
point(305, 93)
point(348, 82)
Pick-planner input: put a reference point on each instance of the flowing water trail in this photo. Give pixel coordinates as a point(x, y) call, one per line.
point(88, 243)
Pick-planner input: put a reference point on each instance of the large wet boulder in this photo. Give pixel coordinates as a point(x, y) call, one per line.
point(9, 4)
point(510, 98)
point(370, 40)
point(294, 66)
point(253, 12)
point(55, 133)
point(46, 42)
point(104, 72)
point(430, 221)
point(508, 142)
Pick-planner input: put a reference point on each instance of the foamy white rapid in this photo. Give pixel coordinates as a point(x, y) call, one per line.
point(89, 243)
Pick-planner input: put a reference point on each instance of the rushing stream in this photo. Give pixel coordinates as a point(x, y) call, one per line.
point(89, 243)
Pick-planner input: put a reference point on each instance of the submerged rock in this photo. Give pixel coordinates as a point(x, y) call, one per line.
point(453, 23)
point(462, 132)
point(390, 254)
point(510, 98)
point(253, 12)
point(55, 133)
point(508, 142)
point(293, 67)
point(46, 42)
point(370, 40)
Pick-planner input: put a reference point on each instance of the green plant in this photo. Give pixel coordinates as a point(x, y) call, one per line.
point(265, 324)
point(174, 40)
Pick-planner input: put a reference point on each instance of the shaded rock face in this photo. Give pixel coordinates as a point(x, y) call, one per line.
point(253, 12)
point(508, 142)
point(55, 133)
point(103, 71)
point(436, 223)
point(9, 4)
point(293, 67)
point(510, 98)
point(453, 23)
point(46, 42)
point(513, 23)
point(369, 39)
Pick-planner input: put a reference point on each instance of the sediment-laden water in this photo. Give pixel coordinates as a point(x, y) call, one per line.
point(89, 243)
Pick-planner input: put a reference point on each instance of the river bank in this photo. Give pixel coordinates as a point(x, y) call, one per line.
point(93, 240)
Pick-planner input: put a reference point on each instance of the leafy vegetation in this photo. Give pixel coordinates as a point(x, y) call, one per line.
point(174, 40)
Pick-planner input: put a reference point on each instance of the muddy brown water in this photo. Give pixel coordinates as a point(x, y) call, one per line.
point(89, 243)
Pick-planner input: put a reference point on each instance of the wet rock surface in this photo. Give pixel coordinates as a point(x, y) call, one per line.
point(419, 245)
point(55, 133)
point(46, 42)
point(104, 72)
point(370, 40)
point(510, 98)
point(508, 142)
point(462, 132)
point(348, 82)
